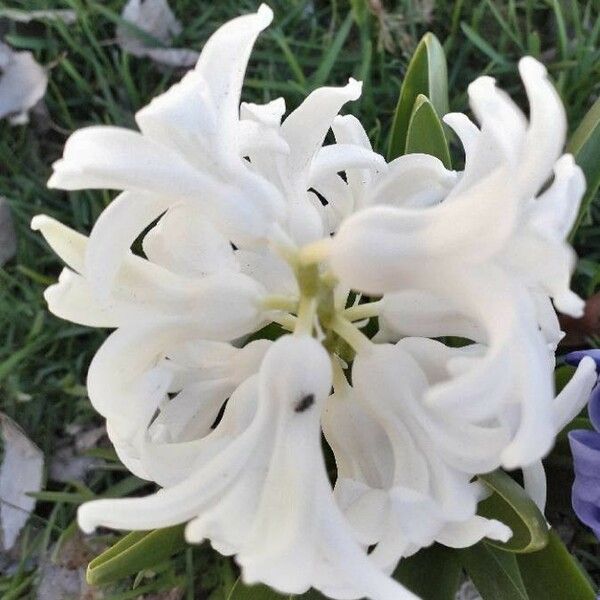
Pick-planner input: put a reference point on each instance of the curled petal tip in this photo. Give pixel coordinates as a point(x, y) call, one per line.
point(86, 523)
point(531, 66)
point(570, 304)
point(481, 84)
point(354, 88)
point(266, 13)
point(39, 222)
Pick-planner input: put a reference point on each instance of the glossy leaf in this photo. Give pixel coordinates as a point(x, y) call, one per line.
point(553, 574)
point(511, 505)
point(426, 133)
point(135, 552)
point(426, 74)
point(585, 147)
point(494, 572)
point(433, 573)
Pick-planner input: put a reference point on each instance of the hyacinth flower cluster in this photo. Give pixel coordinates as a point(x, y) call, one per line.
point(251, 220)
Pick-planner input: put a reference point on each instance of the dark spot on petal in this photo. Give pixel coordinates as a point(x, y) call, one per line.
point(304, 403)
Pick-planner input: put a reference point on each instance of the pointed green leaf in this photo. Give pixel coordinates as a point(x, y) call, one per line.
point(426, 133)
point(433, 573)
point(494, 572)
point(511, 505)
point(553, 574)
point(585, 147)
point(135, 552)
point(426, 74)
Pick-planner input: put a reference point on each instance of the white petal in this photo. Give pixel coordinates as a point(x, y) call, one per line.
point(185, 242)
point(534, 482)
point(306, 127)
point(547, 127)
point(269, 270)
point(412, 181)
point(117, 227)
point(348, 130)
point(376, 249)
point(223, 62)
point(498, 116)
point(465, 534)
point(555, 211)
point(268, 114)
point(467, 132)
point(114, 158)
point(575, 395)
point(422, 313)
point(67, 243)
point(183, 119)
point(255, 137)
point(340, 157)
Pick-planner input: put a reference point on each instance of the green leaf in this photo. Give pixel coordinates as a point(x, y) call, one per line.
point(241, 591)
point(494, 572)
point(426, 74)
point(426, 133)
point(585, 147)
point(135, 552)
point(511, 505)
point(432, 574)
point(553, 574)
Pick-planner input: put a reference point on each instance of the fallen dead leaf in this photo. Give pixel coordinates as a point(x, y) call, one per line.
point(8, 236)
point(155, 18)
point(21, 472)
point(68, 462)
point(66, 15)
point(23, 83)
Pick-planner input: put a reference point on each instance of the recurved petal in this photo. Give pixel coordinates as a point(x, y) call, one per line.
point(115, 158)
point(349, 130)
point(222, 64)
point(119, 224)
point(186, 242)
point(467, 132)
point(184, 119)
point(463, 534)
point(547, 127)
point(67, 243)
point(422, 313)
point(575, 395)
point(553, 213)
point(412, 181)
point(376, 249)
point(341, 157)
point(306, 127)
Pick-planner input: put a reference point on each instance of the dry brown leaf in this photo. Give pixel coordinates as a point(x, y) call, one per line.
point(23, 83)
point(8, 236)
point(156, 19)
point(21, 472)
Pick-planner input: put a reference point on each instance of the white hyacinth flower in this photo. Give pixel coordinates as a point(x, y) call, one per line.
point(248, 223)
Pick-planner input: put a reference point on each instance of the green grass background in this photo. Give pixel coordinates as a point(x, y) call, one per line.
point(43, 360)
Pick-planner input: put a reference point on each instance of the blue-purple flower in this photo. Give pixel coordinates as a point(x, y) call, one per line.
point(585, 447)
